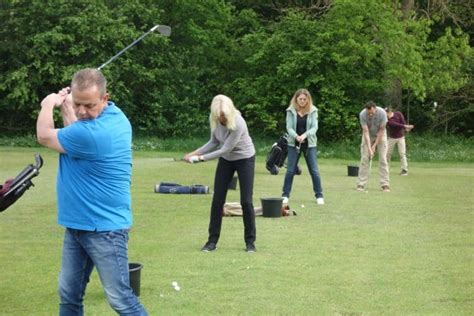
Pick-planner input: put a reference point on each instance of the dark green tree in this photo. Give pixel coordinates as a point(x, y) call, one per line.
point(344, 51)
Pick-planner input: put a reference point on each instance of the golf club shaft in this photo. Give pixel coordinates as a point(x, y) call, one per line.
point(162, 28)
point(164, 159)
point(370, 170)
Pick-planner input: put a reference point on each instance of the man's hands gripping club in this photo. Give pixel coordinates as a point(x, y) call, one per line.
point(45, 131)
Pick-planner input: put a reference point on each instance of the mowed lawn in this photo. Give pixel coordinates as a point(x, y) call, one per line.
point(410, 251)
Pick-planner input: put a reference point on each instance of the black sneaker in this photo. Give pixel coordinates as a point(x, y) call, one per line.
point(250, 247)
point(404, 172)
point(209, 246)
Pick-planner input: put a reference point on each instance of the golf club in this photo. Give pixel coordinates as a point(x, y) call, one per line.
point(166, 159)
point(163, 29)
point(27, 173)
point(368, 178)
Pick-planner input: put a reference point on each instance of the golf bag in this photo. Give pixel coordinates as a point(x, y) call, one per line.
point(13, 189)
point(277, 155)
point(174, 188)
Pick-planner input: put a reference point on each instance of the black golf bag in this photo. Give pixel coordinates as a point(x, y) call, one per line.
point(277, 155)
point(13, 189)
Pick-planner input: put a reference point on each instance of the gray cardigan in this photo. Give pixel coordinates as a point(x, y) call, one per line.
point(311, 126)
point(233, 144)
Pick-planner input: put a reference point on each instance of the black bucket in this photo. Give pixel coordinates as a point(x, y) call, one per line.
point(134, 271)
point(233, 184)
point(271, 207)
point(353, 171)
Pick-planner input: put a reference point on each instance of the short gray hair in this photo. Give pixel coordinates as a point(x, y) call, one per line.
point(87, 78)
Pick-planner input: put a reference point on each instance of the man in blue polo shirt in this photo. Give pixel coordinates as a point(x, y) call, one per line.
point(93, 190)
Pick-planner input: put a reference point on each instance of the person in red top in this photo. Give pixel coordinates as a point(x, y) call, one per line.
point(396, 128)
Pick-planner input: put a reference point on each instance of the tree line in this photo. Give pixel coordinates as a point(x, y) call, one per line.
point(413, 55)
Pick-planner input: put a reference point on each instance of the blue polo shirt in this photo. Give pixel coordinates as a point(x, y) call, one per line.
point(93, 184)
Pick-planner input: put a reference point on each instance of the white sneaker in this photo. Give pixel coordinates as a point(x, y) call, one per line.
point(285, 200)
point(320, 201)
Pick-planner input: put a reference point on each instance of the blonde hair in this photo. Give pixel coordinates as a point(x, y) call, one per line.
point(223, 104)
point(294, 102)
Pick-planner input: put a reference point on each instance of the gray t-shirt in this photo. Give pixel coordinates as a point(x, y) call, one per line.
point(233, 144)
point(374, 123)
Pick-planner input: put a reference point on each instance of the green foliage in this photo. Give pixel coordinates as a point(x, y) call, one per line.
point(19, 141)
point(156, 84)
point(448, 81)
point(349, 55)
point(445, 57)
point(339, 58)
point(345, 53)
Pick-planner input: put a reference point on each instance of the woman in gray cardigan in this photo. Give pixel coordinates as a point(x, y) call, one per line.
point(302, 125)
point(230, 142)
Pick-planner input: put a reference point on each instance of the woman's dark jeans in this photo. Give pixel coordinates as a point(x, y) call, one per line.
point(224, 173)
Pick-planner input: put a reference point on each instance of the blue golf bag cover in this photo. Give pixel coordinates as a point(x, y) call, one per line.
point(174, 188)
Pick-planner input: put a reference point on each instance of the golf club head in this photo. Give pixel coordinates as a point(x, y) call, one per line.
point(164, 30)
point(39, 161)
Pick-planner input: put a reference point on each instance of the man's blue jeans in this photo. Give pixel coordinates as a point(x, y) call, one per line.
point(107, 251)
point(310, 156)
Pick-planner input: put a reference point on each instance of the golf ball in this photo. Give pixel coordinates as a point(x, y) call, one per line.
point(174, 283)
point(177, 288)
point(302, 205)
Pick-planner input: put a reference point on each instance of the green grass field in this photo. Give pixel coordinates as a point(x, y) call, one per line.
point(410, 251)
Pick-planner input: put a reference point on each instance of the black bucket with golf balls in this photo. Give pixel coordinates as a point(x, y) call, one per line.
point(233, 184)
point(134, 271)
point(271, 207)
point(353, 171)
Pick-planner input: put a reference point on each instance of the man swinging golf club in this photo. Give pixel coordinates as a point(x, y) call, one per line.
point(373, 120)
point(93, 191)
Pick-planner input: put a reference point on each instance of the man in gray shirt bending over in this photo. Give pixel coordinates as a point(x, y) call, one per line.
point(373, 120)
